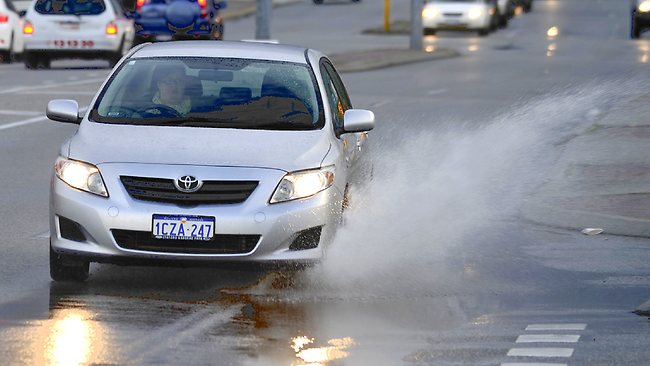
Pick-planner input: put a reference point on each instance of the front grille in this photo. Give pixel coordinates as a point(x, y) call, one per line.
point(220, 243)
point(212, 191)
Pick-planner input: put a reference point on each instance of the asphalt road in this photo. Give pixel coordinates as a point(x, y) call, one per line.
point(434, 265)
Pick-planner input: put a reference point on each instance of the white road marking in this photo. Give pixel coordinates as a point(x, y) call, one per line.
point(19, 113)
point(532, 364)
point(23, 122)
point(31, 120)
point(548, 338)
point(541, 352)
point(576, 326)
point(38, 87)
point(436, 91)
point(56, 92)
point(379, 104)
point(44, 235)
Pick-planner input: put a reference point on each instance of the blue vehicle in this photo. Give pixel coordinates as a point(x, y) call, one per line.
point(164, 20)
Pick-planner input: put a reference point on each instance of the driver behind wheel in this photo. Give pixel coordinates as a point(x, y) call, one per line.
point(171, 82)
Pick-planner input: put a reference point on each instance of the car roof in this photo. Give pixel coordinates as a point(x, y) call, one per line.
point(236, 49)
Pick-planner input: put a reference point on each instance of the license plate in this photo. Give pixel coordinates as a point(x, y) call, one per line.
point(72, 43)
point(178, 227)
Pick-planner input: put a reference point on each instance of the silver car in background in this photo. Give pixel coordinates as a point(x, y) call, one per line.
point(251, 162)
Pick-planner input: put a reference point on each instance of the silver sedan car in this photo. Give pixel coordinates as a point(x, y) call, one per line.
point(201, 152)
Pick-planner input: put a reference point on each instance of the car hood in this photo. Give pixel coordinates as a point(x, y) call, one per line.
point(99, 143)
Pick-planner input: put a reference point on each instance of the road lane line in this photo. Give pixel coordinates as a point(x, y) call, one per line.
point(576, 326)
point(541, 352)
point(19, 113)
point(23, 122)
point(36, 87)
point(548, 338)
point(31, 120)
point(55, 92)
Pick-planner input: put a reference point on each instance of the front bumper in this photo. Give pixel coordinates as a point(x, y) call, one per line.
point(462, 22)
point(80, 45)
point(160, 29)
point(278, 225)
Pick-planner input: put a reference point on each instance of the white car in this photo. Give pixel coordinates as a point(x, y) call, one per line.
point(56, 29)
point(11, 37)
point(198, 151)
point(474, 15)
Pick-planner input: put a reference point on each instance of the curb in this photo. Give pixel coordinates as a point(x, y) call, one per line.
point(381, 58)
point(252, 9)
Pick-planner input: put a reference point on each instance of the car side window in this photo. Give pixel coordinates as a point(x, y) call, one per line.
point(333, 99)
point(342, 102)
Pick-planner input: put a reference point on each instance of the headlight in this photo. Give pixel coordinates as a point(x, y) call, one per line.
point(80, 175)
point(644, 7)
point(303, 184)
point(475, 13)
point(430, 12)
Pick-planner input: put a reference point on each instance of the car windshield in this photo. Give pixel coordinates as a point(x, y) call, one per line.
point(211, 92)
point(70, 7)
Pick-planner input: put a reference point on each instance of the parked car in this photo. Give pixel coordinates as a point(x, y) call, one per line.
point(473, 15)
point(251, 160)
point(90, 29)
point(11, 36)
point(640, 17)
point(164, 20)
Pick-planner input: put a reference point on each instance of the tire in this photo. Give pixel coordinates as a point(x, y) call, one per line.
point(30, 59)
point(429, 31)
point(7, 56)
point(60, 270)
point(43, 62)
point(635, 30)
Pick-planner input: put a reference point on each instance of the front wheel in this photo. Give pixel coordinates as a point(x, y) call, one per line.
point(64, 269)
point(429, 31)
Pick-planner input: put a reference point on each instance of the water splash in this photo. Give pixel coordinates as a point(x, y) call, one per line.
point(439, 188)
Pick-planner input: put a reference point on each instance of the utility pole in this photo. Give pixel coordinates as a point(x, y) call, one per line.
point(263, 19)
point(386, 16)
point(416, 24)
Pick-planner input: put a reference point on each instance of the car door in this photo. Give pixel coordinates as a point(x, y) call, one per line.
point(339, 102)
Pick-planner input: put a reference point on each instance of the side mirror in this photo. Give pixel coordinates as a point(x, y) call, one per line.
point(358, 120)
point(22, 13)
point(63, 110)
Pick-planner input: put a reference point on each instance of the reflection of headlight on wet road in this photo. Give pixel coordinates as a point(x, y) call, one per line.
point(72, 339)
point(320, 355)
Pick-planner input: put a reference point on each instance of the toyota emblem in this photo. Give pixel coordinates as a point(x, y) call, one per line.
point(187, 184)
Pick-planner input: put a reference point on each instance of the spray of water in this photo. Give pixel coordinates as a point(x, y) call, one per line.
point(439, 188)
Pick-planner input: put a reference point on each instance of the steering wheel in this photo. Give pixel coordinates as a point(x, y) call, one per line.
point(157, 110)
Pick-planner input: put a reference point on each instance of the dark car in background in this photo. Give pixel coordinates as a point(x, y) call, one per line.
point(640, 17)
point(164, 20)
